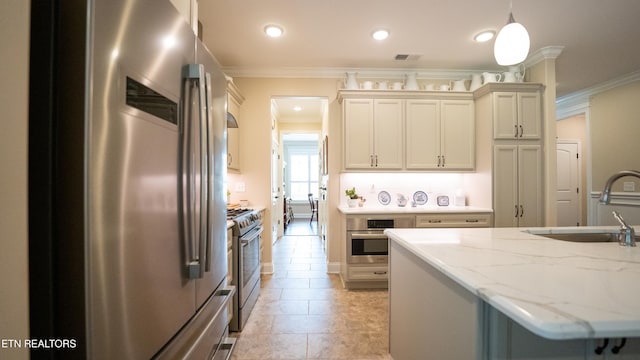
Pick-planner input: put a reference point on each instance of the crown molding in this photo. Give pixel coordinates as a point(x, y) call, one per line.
point(339, 73)
point(578, 102)
point(545, 53)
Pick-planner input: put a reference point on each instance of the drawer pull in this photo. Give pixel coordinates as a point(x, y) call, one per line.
point(435, 221)
point(472, 220)
point(380, 272)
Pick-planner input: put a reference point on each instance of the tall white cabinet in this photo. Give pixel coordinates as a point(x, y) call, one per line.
point(413, 130)
point(515, 114)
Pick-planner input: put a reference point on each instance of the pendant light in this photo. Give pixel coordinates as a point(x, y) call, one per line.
point(512, 43)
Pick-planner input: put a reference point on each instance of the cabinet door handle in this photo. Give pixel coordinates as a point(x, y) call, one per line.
point(521, 210)
point(443, 161)
point(521, 131)
point(439, 160)
point(371, 160)
point(516, 215)
point(516, 129)
point(376, 160)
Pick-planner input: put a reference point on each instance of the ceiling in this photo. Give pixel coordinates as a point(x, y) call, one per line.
point(600, 38)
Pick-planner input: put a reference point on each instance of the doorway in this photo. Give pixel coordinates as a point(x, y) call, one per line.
point(299, 124)
point(569, 189)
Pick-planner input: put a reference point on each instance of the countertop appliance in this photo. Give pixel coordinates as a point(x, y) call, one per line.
point(245, 248)
point(127, 236)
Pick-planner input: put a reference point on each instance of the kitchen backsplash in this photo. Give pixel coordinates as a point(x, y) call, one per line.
point(369, 185)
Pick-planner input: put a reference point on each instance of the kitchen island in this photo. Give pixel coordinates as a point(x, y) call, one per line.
point(506, 293)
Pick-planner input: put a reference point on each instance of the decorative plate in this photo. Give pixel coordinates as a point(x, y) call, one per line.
point(443, 200)
point(384, 198)
point(420, 197)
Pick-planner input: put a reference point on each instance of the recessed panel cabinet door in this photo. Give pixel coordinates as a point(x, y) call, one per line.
point(423, 134)
point(530, 116)
point(505, 185)
point(457, 135)
point(530, 185)
point(388, 129)
point(505, 115)
point(358, 133)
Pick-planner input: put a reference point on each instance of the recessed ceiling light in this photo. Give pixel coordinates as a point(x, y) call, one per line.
point(484, 36)
point(273, 31)
point(297, 108)
point(380, 34)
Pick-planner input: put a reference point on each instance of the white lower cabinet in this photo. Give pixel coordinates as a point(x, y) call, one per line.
point(433, 317)
point(507, 340)
point(368, 272)
point(430, 315)
point(453, 220)
point(517, 185)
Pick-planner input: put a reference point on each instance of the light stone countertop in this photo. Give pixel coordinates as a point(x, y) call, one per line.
point(421, 209)
point(556, 289)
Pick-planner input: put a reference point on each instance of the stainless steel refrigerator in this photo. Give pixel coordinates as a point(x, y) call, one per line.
point(127, 163)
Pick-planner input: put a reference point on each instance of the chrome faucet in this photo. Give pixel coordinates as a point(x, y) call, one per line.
point(627, 236)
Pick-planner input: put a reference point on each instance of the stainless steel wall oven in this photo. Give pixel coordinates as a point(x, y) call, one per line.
point(366, 241)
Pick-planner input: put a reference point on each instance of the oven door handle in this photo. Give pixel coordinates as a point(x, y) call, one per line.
point(255, 234)
point(366, 236)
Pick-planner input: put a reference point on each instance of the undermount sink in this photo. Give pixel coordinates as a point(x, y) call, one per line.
point(582, 236)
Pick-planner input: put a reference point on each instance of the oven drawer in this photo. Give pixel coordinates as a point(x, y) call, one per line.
point(378, 272)
point(453, 220)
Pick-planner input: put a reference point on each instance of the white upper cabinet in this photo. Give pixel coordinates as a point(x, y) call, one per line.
point(440, 134)
point(517, 115)
point(373, 133)
point(234, 100)
point(410, 131)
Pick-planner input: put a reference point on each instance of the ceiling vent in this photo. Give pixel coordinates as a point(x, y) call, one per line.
point(407, 57)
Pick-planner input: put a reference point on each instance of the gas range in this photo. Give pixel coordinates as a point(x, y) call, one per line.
point(245, 219)
point(246, 231)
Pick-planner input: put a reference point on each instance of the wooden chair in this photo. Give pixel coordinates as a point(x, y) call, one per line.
point(313, 203)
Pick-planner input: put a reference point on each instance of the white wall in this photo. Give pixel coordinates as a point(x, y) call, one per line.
point(14, 72)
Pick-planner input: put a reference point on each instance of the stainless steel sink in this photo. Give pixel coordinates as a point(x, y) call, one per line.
point(584, 237)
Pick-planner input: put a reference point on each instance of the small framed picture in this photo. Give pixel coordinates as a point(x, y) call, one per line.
point(443, 200)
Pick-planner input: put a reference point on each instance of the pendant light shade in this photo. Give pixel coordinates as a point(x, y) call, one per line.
point(512, 43)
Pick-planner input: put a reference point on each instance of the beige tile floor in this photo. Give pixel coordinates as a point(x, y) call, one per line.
point(304, 313)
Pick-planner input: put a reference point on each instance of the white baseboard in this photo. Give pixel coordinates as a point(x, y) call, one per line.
point(333, 268)
point(266, 268)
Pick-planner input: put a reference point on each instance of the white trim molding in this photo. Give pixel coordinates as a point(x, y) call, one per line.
point(627, 203)
point(333, 268)
point(578, 102)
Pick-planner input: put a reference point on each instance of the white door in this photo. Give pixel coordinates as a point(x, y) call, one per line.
point(568, 193)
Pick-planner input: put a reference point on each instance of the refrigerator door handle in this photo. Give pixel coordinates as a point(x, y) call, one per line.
point(208, 163)
point(194, 147)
